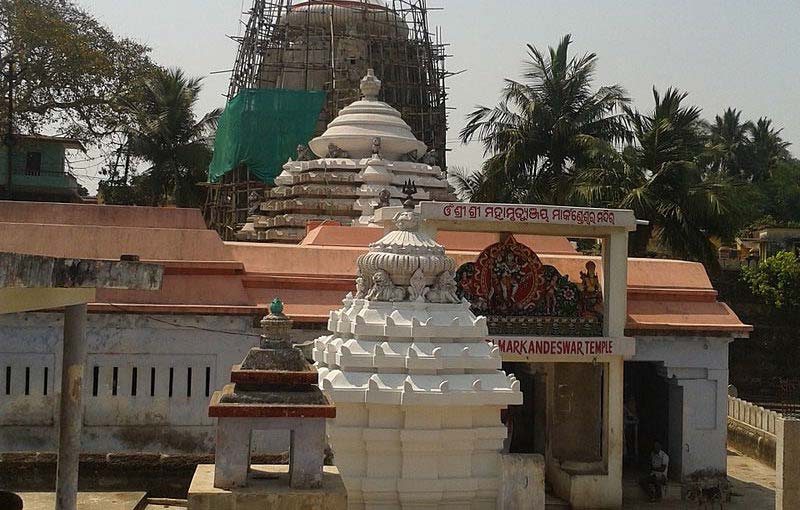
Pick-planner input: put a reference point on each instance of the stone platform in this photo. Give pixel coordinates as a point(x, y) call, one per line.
point(268, 489)
point(86, 500)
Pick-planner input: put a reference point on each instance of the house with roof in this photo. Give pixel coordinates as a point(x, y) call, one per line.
point(38, 169)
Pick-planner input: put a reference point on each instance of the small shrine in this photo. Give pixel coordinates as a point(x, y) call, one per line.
point(357, 165)
point(274, 388)
point(418, 390)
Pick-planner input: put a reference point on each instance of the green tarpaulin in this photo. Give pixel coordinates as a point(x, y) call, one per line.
point(261, 128)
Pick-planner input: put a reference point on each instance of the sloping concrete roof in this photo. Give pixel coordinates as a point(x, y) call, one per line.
point(203, 275)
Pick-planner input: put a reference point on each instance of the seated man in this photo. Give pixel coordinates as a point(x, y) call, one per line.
point(657, 479)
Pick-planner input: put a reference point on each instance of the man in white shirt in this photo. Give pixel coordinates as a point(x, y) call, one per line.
point(659, 463)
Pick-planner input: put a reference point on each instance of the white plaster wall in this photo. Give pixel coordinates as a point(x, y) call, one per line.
point(196, 350)
point(699, 367)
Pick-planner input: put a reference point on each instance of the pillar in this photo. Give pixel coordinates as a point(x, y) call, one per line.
point(614, 429)
point(71, 407)
point(615, 284)
point(232, 452)
point(615, 317)
point(787, 472)
point(306, 461)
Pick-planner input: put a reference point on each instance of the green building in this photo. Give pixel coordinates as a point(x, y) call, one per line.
point(38, 169)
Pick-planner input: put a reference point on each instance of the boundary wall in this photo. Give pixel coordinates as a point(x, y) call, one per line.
point(771, 438)
point(752, 430)
point(147, 383)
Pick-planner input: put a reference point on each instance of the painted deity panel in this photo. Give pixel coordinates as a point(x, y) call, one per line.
point(510, 285)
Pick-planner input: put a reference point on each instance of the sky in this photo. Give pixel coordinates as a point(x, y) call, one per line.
point(739, 53)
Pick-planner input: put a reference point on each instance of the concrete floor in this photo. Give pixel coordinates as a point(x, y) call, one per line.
point(752, 487)
point(86, 500)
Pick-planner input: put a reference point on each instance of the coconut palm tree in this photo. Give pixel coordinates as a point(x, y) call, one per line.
point(543, 128)
point(730, 139)
point(662, 178)
point(766, 149)
point(167, 135)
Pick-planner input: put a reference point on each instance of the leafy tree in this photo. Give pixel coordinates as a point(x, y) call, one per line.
point(543, 128)
point(662, 178)
point(73, 74)
point(167, 136)
point(780, 193)
point(776, 280)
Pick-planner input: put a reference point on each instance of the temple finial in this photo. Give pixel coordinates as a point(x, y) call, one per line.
point(370, 86)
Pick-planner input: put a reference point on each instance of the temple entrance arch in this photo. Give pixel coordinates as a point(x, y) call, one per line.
point(559, 331)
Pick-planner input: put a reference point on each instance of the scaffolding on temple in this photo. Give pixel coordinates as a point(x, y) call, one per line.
point(327, 45)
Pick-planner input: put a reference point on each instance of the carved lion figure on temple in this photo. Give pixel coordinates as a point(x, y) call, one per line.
point(362, 286)
point(383, 289)
point(445, 290)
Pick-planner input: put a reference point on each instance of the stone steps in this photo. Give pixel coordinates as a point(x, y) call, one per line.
point(551, 502)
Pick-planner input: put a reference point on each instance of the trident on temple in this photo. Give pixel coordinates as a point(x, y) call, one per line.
point(409, 190)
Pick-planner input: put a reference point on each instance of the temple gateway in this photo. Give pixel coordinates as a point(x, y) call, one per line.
point(405, 369)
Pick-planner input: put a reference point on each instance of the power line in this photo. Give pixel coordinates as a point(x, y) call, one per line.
point(183, 326)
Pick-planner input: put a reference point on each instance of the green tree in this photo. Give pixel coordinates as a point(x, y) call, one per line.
point(776, 280)
point(731, 141)
point(777, 198)
point(662, 178)
point(766, 149)
point(166, 135)
point(543, 129)
point(73, 75)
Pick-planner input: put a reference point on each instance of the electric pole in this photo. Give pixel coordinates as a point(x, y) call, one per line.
point(9, 138)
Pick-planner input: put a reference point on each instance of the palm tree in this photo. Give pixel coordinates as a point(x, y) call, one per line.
point(543, 128)
point(661, 177)
point(167, 135)
point(731, 140)
point(766, 149)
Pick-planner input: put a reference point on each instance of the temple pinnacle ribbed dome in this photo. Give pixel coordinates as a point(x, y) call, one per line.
point(358, 125)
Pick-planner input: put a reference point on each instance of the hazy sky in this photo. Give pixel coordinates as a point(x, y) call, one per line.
point(737, 53)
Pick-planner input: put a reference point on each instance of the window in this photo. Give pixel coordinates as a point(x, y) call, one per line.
point(33, 163)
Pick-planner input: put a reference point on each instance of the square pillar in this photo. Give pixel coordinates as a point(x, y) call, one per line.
point(615, 284)
point(305, 461)
point(232, 454)
point(787, 483)
point(614, 429)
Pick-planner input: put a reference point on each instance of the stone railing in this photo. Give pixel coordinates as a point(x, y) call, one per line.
point(752, 430)
point(750, 414)
point(771, 438)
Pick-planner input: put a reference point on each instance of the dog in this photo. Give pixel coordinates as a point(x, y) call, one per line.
point(706, 497)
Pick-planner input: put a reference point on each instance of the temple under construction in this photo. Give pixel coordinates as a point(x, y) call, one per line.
point(327, 45)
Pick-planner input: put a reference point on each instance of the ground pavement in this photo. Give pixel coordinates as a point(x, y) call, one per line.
point(752, 484)
point(752, 487)
point(86, 500)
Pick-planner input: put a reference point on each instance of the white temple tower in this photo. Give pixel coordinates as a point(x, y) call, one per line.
point(418, 391)
point(357, 165)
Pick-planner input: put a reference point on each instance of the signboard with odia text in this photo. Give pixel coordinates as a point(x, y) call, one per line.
point(514, 348)
point(533, 214)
